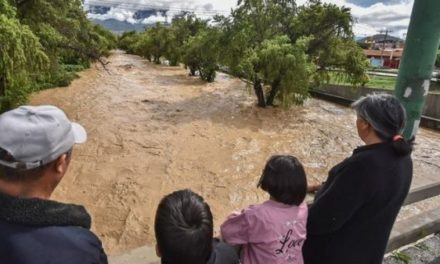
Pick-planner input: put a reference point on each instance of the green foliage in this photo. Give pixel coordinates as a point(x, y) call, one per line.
point(333, 47)
point(128, 40)
point(59, 78)
point(21, 55)
point(286, 67)
point(329, 44)
point(38, 39)
point(142, 45)
point(6, 9)
point(272, 43)
point(183, 27)
point(202, 53)
point(437, 62)
point(164, 42)
point(152, 44)
point(401, 257)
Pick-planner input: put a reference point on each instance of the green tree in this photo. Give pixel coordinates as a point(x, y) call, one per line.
point(66, 35)
point(154, 42)
point(330, 44)
point(253, 22)
point(202, 53)
point(333, 46)
point(275, 44)
point(128, 40)
point(184, 26)
point(21, 55)
point(43, 43)
point(142, 45)
point(286, 68)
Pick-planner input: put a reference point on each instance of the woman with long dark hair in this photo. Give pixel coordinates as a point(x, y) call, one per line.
point(351, 218)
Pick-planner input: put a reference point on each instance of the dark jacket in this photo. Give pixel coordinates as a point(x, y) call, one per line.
point(351, 218)
point(35, 231)
point(223, 253)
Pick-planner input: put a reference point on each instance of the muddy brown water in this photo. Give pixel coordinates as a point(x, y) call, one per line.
point(153, 129)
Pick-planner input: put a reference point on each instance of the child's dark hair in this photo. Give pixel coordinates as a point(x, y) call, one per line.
point(184, 228)
point(284, 179)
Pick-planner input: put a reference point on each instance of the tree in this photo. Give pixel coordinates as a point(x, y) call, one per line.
point(276, 45)
point(154, 42)
point(184, 26)
point(333, 46)
point(328, 30)
point(43, 43)
point(65, 32)
point(202, 53)
point(286, 68)
point(21, 55)
point(127, 41)
point(253, 22)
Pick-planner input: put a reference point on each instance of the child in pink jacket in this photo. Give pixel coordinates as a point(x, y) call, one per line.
point(274, 231)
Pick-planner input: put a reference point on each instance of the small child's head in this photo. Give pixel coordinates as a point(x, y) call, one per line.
point(184, 228)
point(284, 179)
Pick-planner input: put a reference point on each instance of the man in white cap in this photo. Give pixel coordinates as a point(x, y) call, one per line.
point(35, 150)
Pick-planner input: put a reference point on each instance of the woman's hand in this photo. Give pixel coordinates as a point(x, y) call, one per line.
point(312, 188)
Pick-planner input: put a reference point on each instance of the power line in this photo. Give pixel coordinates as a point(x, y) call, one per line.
point(138, 7)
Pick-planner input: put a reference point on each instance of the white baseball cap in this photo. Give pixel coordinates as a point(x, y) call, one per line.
point(37, 135)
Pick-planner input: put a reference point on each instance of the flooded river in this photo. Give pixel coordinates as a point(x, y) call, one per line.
point(153, 129)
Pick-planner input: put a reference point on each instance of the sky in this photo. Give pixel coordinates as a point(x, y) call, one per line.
point(371, 16)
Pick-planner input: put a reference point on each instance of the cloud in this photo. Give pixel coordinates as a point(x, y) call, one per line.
point(367, 3)
point(371, 15)
point(119, 14)
point(394, 17)
point(154, 19)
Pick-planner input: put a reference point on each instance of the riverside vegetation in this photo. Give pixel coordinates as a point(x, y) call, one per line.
point(276, 45)
point(43, 44)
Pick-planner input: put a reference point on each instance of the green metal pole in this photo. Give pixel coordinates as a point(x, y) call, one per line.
point(418, 60)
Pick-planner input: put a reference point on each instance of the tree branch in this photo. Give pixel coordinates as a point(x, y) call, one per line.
point(93, 54)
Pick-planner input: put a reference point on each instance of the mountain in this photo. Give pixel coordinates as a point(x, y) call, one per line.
point(117, 26)
point(380, 38)
point(100, 10)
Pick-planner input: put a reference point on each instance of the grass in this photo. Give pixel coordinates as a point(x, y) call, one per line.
point(401, 257)
point(381, 82)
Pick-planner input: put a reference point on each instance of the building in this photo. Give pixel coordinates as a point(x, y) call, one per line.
point(382, 41)
point(384, 58)
point(383, 50)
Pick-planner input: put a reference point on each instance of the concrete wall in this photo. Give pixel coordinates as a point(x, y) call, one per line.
point(432, 107)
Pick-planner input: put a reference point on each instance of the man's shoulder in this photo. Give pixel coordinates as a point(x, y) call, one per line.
point(54, 242)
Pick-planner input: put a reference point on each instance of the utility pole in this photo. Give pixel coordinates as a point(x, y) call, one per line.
point(384, 42)
point(418, 59)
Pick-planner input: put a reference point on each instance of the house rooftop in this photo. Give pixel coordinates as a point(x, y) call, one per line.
point(386, 53)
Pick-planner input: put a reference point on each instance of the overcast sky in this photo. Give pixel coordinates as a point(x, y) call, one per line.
point(371, 15)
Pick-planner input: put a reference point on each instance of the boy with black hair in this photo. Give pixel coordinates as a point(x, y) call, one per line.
point(184, 232)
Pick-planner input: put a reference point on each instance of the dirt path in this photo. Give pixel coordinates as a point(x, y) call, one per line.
point(152, 130)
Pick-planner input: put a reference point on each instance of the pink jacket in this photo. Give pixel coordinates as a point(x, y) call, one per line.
point(270, 232)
